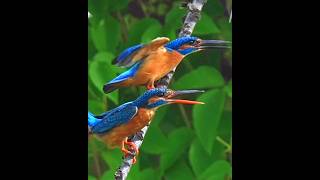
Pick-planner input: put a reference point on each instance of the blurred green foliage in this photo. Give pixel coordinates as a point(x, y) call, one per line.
point(183, 142)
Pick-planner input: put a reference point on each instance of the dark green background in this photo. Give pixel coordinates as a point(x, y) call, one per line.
point(183, 142)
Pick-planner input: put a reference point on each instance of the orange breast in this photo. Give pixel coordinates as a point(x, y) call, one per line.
point(157, 65)
point(114, 137)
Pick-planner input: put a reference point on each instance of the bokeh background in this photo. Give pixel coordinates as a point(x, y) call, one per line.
point(183, 142)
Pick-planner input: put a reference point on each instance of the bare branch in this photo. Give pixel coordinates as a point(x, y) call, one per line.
point(194, 13)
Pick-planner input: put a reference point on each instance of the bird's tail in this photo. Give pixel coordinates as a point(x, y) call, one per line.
point(108, 88)
point(91, 120)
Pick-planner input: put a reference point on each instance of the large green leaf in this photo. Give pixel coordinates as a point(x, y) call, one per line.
point(180, 171)
point(135, 171)
point(91, 177)
point(107, 175)
point(229, 89)
point(217, 171)
point(205, 26)
point(151, 33)
point(202, 77)
point(206, 117)
point(174, 18)
point(101, 71)
point(137, 30)
point(148, 174)
point(113, 158)
point(225, 126)
point(105, 34)
point(100, 8)
point(96, 107)
point(199, 158)
point(155, 141)
point(178, 142)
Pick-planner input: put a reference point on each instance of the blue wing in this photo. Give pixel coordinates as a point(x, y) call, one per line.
point(124, 58)
point(115, 117)
point(127, 74)
point(139, 52)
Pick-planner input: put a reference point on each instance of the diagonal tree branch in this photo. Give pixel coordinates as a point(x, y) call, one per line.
point(194, 12)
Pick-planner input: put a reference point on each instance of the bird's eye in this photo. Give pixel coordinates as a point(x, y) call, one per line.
point(191, 42)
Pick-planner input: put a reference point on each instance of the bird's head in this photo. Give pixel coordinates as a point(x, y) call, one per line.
point(189, 44)
point(162, 96)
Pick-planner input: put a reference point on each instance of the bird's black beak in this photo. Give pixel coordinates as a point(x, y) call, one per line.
point(213, 44)
point(182, 101)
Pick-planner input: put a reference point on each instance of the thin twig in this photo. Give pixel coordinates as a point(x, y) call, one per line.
point(194, 13)
point(184, 115)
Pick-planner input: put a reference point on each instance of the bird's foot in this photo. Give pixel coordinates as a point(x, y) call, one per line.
point(150, 86)
point(132, 146)
point(127, 152)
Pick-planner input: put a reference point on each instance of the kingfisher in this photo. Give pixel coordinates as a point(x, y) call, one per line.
point(152, 61)
point(115, 126)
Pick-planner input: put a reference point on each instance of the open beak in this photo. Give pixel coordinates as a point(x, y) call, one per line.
point(213, 44)
point(182, 101)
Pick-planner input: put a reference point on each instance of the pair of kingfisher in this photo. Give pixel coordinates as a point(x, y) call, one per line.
point(148, 63)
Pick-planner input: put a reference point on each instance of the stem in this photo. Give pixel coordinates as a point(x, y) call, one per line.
point(96, 161)
point(184, 115)
point(123, 27)
point(219, 139)
point(194, 12)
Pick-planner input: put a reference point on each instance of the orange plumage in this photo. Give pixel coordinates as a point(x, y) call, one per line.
point(155, 66)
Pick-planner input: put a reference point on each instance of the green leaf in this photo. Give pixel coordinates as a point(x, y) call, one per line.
point(199, 158)
point(96, 107)
point(155, 141)
point(206, 117)
point(174, 18)
point(225, 126)
point(137, 30)
point(118, 5)
point(205, 26)
point(178, 142)
point(151, 33)
point(180, 171)
point(98, 35)
point(229, 89)
point(202, 77)
point(101, 72)
point(217, 171)
point(100, 8)
point(91, 178)
point(113, 158)
point(161, 112)
point(134, 172)
point(97, 8)
point(148, 174)
point(107, 175)
point(106, 34)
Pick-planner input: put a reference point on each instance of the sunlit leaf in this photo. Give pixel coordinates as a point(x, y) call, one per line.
point(112, 158)
point(155, 141)
point(205, 25)
point(179, 141)
point(137, 30)
point(101, 72)
point(151, 33)
point(202, 77)
point(217, 171)
point(104, 36)
point(107, 175)
point(206, 117)
point(229, 89)
point(96, 107)
point(180, 171)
